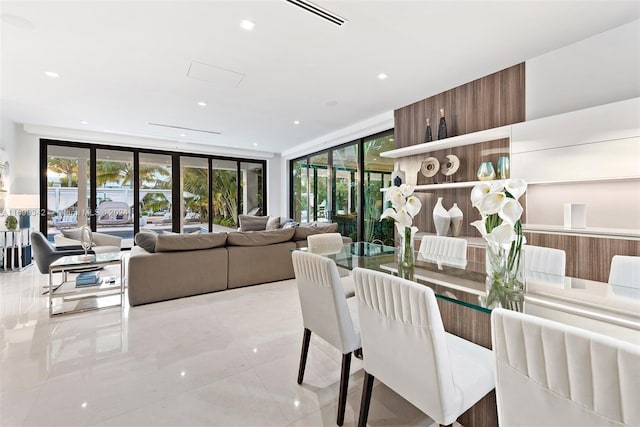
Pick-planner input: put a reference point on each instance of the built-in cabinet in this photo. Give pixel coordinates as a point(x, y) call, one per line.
point(590, 156)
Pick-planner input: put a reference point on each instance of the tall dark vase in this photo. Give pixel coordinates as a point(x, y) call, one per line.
point(442, 128)
point(428, 137)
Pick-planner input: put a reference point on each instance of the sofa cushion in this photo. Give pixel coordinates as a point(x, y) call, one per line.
point(252, 223)
point(259, 238)
point(304, 231)
point(146, 240)
point(190, 242)
point(273, 223)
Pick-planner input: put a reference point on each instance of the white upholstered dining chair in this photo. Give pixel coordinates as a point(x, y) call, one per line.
point(330, 244)
point(325, 243)
point(551, 374)
point(538, 259)
point(433, 247)
point(625, 271)
point(327, 313)
point(406, 347)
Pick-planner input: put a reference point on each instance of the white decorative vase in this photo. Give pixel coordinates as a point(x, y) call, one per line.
point(441, 218)
point(398, 177)
point(455, 214)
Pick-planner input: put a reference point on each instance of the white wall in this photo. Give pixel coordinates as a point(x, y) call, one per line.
point(599, 70)
point(276, 193)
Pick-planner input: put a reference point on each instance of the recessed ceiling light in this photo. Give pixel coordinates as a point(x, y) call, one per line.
point(382, 76)
point(84, 122)
point(296, 122)
point(52, 74)
point(202, 104)
point(183, 135)
point(245, 24)
point(255, 144)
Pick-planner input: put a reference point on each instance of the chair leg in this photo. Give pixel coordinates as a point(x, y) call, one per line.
point(367, 387)
point(344, 385)
point(303, 354)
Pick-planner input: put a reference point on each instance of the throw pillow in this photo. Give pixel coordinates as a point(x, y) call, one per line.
point(147, 240)
point(290, 224)
point(252, 223)
point(273, 223)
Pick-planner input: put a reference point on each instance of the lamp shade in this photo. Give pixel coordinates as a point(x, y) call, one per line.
point(23, 201)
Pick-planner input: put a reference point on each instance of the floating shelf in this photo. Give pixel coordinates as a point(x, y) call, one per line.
point(632, 234)
point(446, 185)
point(455, 141)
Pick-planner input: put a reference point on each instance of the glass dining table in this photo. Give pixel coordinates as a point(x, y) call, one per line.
point(460, 288)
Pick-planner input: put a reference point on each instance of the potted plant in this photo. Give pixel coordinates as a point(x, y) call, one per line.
point(12, 222)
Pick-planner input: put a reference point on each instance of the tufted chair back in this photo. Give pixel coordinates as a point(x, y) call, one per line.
point(324, 306)
point(538, 259)
point(548, 373)
point(325, 243)
point(625, 271)
point(406, 347)
point(433, 247)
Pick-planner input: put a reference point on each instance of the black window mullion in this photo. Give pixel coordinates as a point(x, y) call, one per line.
point(136, 192)
point(361, 194)
point(93, 192)
point(210, 198)
point(175, 193)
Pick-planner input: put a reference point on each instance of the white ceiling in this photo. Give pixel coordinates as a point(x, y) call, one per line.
point(125, 64)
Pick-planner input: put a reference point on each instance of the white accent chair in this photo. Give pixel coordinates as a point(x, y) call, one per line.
point(330, 244)
point(406, 347)
point(448, 250)
point(551, 374)
point(538, 259)
point(327, 313)
point(624, 276)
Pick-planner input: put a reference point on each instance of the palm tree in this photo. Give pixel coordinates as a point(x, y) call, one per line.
point(68, 167)
point(196, 182)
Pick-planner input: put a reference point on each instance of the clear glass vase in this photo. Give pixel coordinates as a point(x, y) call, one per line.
point(406, 254)
point(505, 277)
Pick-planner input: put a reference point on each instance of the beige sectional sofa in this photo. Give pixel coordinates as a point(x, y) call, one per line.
point(174, 266)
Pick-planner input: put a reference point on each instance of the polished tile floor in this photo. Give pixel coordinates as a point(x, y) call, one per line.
point(223, 359)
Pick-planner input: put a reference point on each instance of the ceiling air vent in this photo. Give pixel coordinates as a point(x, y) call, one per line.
point(183, 128)
point(318, 11)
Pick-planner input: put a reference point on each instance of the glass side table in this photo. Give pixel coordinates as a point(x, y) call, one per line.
point(108, 292)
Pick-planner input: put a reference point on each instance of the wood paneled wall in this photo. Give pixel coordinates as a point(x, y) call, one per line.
point(491, 101)
point(587, 257)
point(494, 100)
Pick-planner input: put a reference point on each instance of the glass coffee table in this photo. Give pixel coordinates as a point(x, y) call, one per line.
point(66, 296)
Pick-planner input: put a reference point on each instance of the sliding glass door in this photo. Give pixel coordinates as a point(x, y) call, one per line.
point(114, 193)
point(68, 188)
point(194, 183)
point(119, 191)
point(342, 185)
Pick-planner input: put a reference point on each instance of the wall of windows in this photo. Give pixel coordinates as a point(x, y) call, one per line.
point(342, 185)
point(87, 184)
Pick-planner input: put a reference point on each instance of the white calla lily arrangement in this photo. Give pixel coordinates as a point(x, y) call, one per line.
point(501, 227)
point(501, 212)
point(404, 207)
